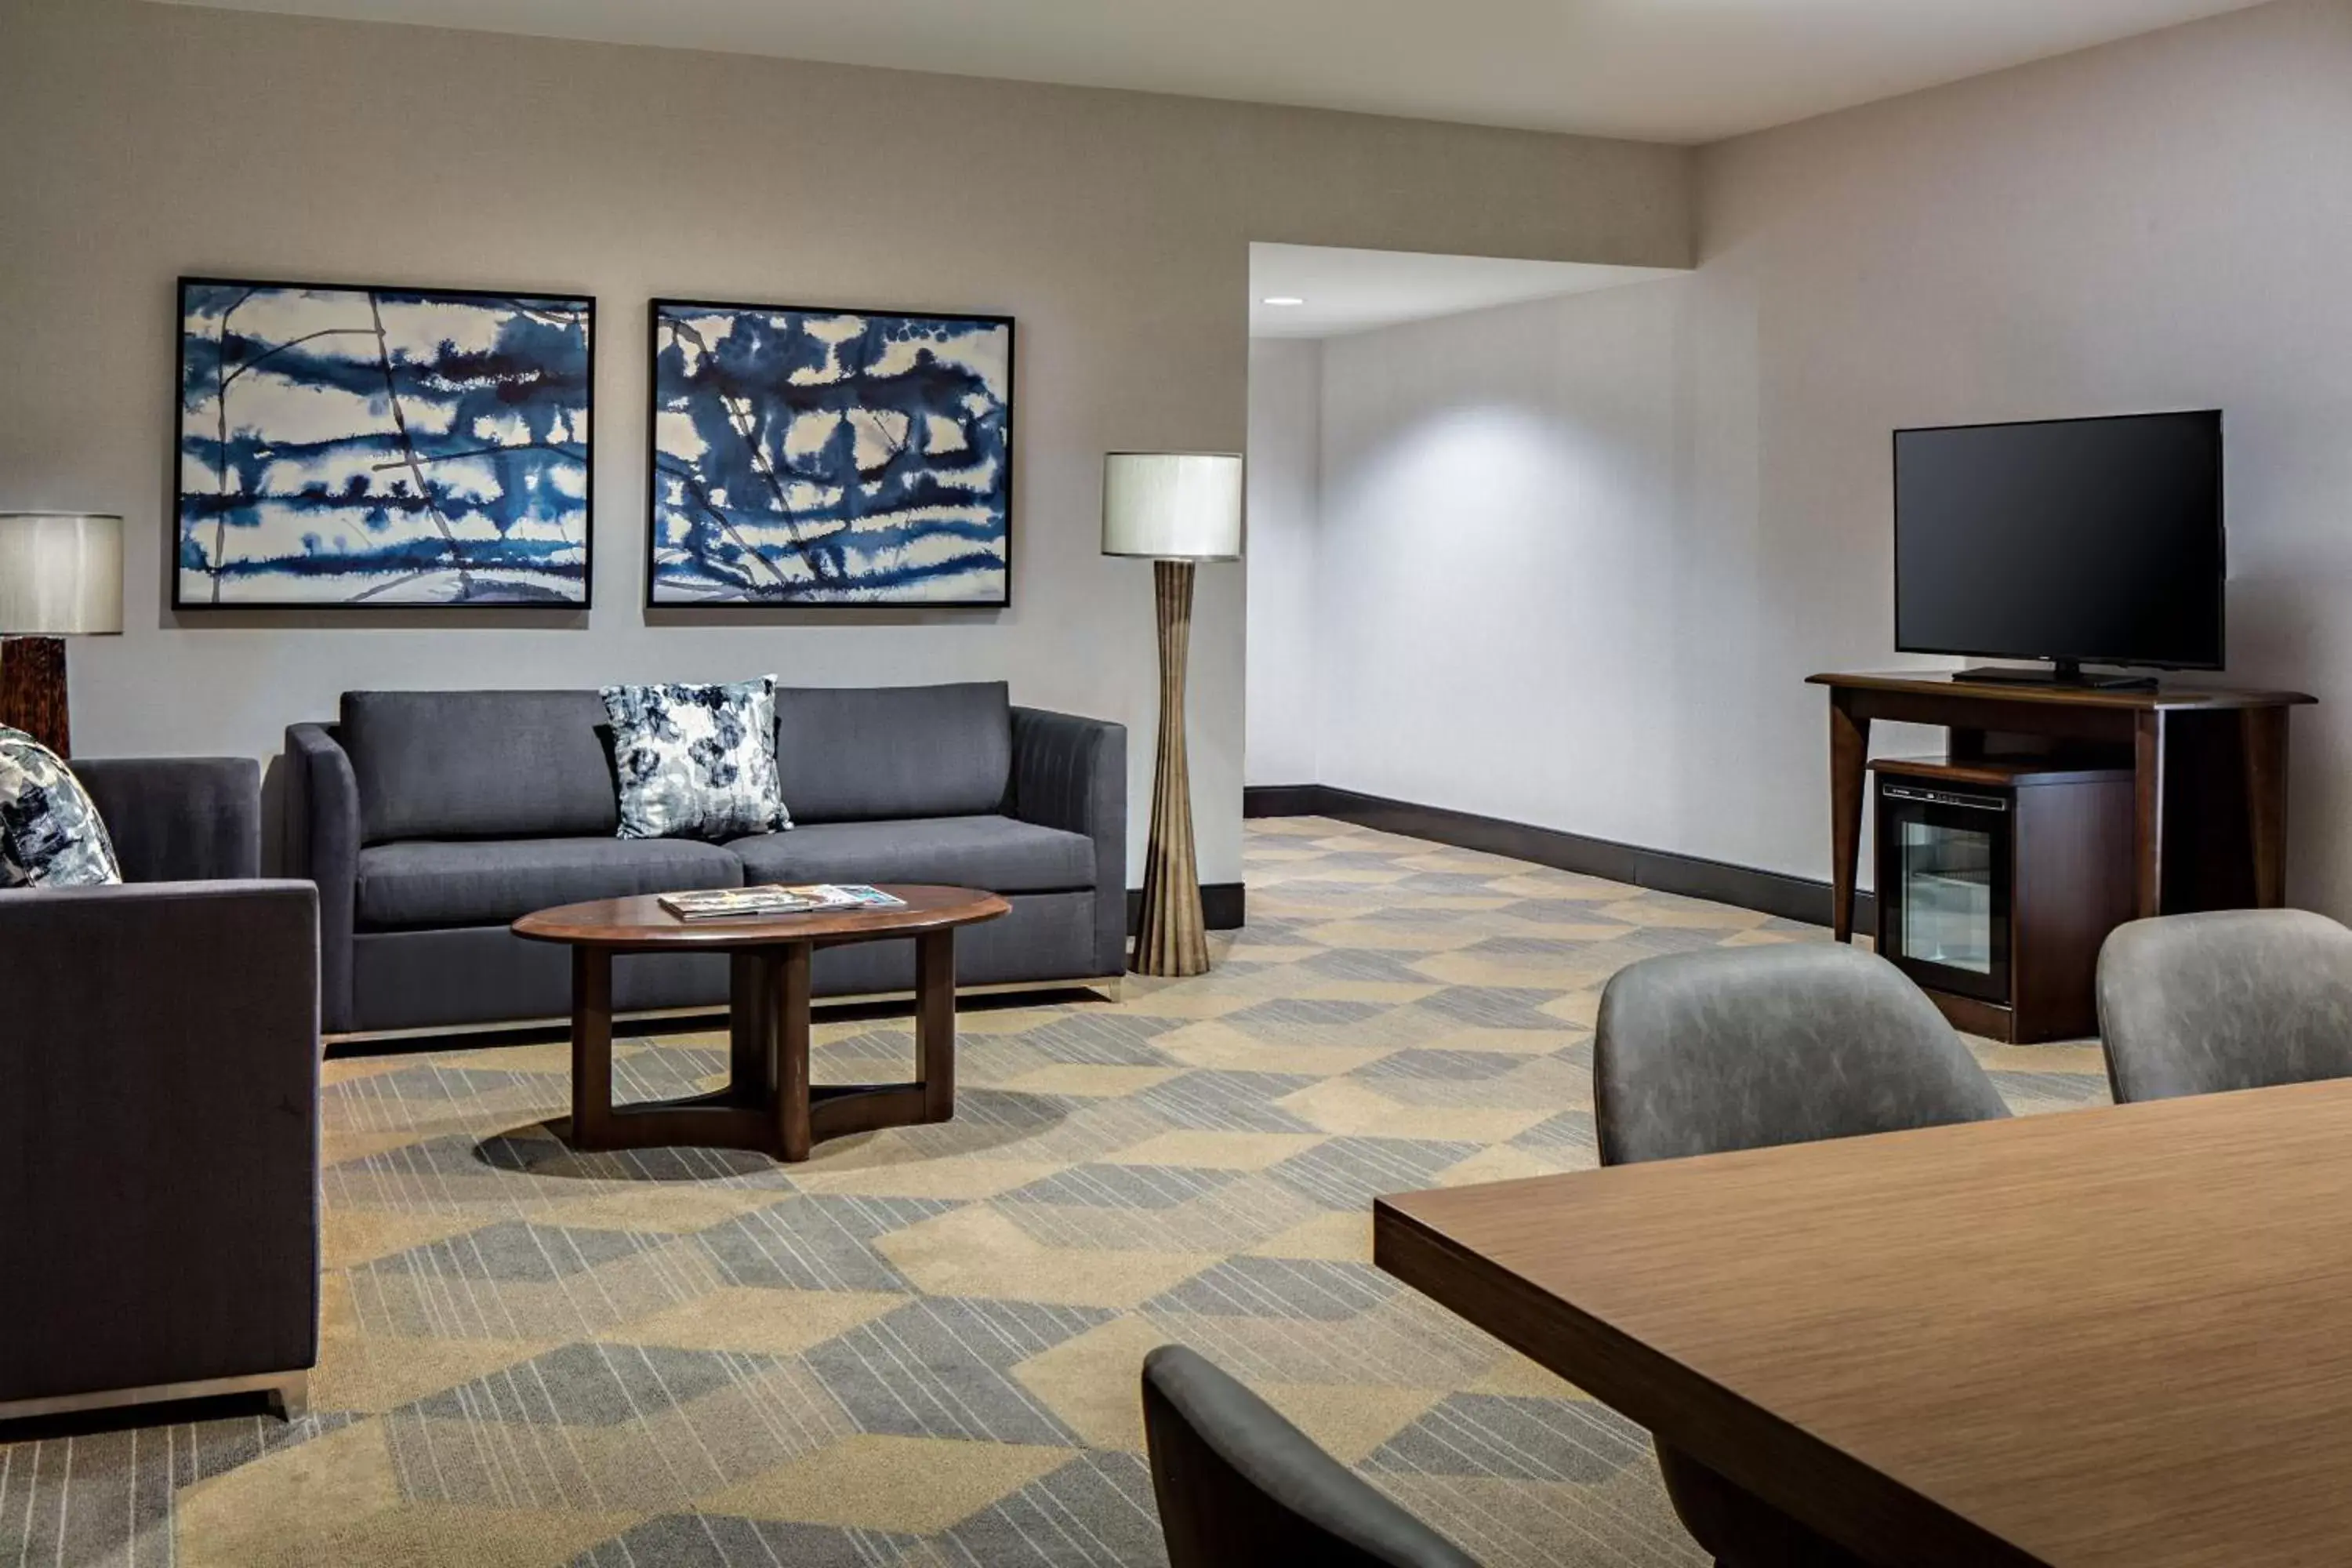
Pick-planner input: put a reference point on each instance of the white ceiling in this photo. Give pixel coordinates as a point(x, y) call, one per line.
point(1351, 290)
point(1673, 70)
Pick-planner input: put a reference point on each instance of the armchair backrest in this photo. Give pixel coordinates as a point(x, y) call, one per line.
point(1746, 1047)
point(178, 819)
point(1239, 1487)
point(2225, 999)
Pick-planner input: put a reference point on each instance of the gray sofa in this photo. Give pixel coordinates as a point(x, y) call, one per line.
point(159, 1104)
point(429, 820)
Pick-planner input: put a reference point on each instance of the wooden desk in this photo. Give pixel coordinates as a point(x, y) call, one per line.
point(2120, 1336)
point(2210, 774)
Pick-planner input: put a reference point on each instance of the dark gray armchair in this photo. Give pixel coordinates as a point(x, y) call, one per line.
point(2230, 999)
point(1746, 1047)
point(1239, 1487)
point(159, 1090)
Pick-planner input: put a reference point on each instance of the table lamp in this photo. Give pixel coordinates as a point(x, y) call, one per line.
point(1177, 510)
point(60, 576)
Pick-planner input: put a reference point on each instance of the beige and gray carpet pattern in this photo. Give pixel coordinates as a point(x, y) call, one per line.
point(921, 1346)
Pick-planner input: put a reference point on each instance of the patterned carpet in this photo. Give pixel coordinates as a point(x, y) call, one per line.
point(922, 1347)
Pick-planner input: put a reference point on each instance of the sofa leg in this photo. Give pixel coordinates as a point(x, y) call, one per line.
point(289, 1396)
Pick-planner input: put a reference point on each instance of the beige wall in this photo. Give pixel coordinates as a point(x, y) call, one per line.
point(1575, 558)
point(139, 141)
point(1500, 565)
point(2161, 222)
point(1286, 463)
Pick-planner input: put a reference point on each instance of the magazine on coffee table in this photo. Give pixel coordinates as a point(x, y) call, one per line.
point(864, 897)
point(777, 898)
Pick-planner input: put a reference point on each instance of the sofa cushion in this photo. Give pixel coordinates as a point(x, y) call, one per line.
point(433, 882)
point(865, 752)
point(479, 765)
point(995, 853)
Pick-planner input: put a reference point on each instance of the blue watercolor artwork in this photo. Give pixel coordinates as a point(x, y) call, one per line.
point(819, 456)
point(350, 447)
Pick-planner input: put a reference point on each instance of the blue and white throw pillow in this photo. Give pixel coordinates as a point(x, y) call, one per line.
point(697, 762)
point(50, 835)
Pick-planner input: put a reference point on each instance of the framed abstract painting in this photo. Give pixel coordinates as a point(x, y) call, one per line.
point(812, 457)
point(347, 447)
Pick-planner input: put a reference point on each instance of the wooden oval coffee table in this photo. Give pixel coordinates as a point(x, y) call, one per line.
point(768, 1104)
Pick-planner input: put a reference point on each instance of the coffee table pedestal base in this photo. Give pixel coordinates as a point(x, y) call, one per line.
point(769, 1105)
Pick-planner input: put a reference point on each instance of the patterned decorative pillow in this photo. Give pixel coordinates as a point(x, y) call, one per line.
point(51, 833)
point(697, 762)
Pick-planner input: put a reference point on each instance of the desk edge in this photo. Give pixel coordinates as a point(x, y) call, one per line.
point(1788, 1466)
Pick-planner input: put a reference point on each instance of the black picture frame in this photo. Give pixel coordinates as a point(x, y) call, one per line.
point(182, 604)
point(655, 312)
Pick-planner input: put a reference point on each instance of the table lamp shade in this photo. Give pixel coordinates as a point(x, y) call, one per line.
point(60, 574)
point(1172, 506)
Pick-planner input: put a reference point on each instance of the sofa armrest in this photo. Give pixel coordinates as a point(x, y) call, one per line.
point(322, 844)
point(159, 1153)
point(1071, 773)
point(179, 819)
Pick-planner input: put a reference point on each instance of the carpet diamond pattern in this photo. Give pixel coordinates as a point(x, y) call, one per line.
point(921, 1346)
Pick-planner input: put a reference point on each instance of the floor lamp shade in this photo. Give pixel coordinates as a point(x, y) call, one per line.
point(1178, 509)
point(1172, 506)
point(60, 576)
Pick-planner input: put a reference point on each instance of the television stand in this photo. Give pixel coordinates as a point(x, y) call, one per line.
point(2209, 773)
point(2063, 672)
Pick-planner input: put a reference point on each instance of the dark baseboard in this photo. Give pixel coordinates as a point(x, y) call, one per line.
point(1284, 800)
point(1221, 906)
point(1745, 887)
point(1224, 906)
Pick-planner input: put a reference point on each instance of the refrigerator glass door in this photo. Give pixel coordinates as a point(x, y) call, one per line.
point(1943, 873)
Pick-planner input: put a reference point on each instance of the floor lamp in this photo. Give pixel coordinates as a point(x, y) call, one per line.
point(1176, 509)
point(60, 576)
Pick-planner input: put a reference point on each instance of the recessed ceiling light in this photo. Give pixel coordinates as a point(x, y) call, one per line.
point(1282, 300)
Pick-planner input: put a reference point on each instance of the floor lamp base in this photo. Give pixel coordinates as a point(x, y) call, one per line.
point(1173, 940)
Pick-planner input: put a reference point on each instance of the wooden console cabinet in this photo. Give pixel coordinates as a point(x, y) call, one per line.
point(2207, 769)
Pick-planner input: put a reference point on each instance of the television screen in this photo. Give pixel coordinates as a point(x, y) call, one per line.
point(2097, 540)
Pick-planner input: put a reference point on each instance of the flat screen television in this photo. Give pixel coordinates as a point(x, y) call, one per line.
point(2078, 541)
